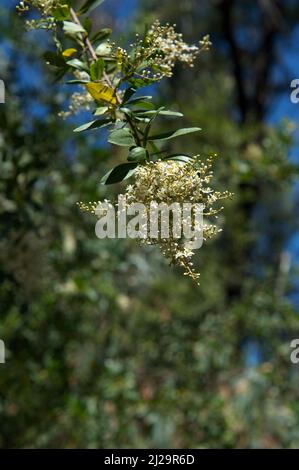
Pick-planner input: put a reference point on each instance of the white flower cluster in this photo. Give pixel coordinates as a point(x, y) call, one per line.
point(166, 47)
point(171, 182)
point(79, 101)
point(176, 182)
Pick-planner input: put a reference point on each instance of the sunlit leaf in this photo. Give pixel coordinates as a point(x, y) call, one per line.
point(69, 52)
point(101, 92)
point(163, 113)
point(103, 49)
point(73, 28)
point(100, 111)
point(77, 64)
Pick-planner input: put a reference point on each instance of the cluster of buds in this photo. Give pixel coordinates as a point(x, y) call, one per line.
point(44, 6)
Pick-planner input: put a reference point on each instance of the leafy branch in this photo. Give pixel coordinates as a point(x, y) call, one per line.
point(113, 77)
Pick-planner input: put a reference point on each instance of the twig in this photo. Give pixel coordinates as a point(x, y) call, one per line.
point(92, 52)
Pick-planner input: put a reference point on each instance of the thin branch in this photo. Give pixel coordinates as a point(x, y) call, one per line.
point(85, 39)
point(91, 50)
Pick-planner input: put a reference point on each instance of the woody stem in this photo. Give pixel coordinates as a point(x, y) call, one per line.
point(89, 46)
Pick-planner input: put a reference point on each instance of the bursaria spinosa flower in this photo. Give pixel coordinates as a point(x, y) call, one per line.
point(177, 182)
point(155, 55)
point(168, 182)
point(166, 47)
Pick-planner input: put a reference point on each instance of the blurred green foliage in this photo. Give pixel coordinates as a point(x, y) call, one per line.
point(106, 345)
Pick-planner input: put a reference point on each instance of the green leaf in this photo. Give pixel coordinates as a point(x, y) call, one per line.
point(179, 157)
point(97, 124)
point(103, 49)
point(149, 124)
point(128, 94)
point(122, 137)
point(87, 24)
point(138, 154)
point(89, 5)
point(73, 28)
point(144, 106)
point(142, 119)
point(77, 82)
point(97, 69)
point(77, 64)
point(163, 113)
point(139, 99)
point(140, 82)
point(126, 110)
point(101, 35)
point(119, 173)
point(173, 135)
point(61, 13)
point(100, 111)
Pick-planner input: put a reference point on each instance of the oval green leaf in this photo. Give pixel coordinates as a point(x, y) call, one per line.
point(119, 173)
point(173, 135)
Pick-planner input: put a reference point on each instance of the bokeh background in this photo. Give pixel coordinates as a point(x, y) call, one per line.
point(106, 346)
